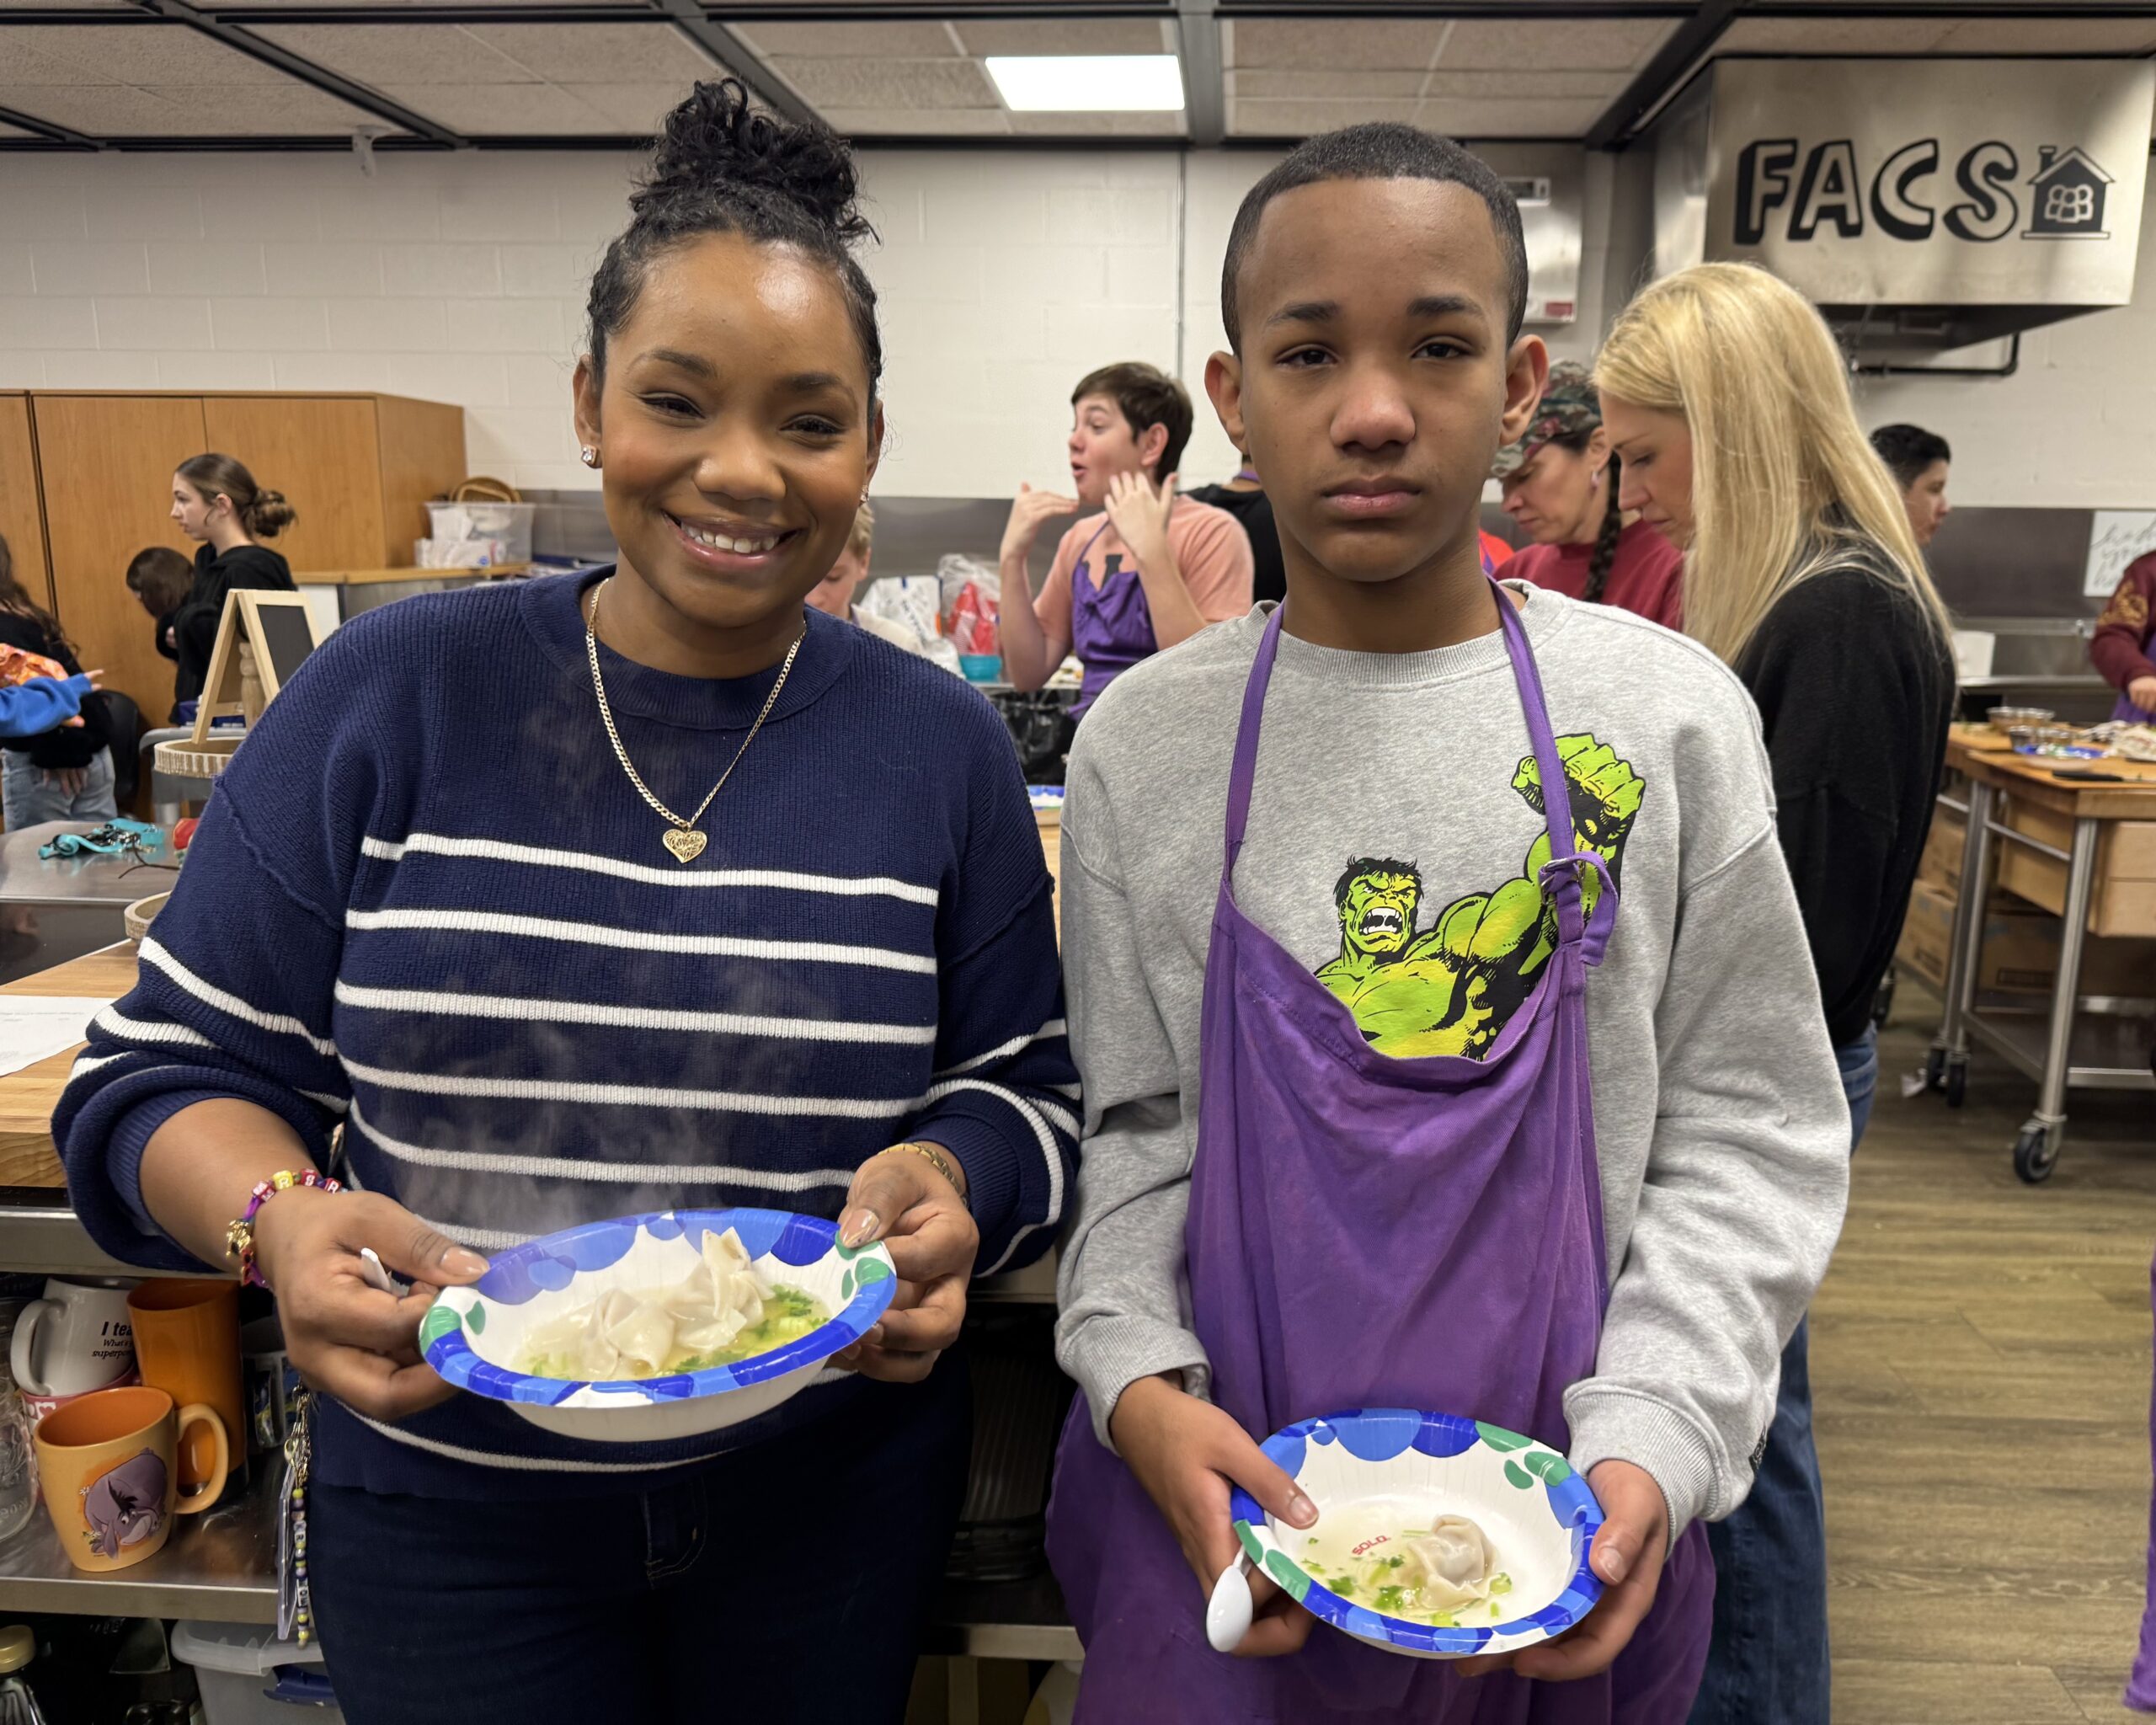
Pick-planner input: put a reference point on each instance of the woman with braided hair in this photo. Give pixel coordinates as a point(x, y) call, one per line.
point(1560, 482)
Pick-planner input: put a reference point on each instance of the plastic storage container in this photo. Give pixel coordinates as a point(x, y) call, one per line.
point(474, 535)
point(249, 1677)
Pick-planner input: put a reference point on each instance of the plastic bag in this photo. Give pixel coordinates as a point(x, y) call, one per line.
point(972, 594)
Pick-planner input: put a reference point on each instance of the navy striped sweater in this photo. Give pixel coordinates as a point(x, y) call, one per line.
point(425, 902)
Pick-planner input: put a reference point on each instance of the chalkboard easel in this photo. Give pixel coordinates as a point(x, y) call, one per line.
point(261, 640)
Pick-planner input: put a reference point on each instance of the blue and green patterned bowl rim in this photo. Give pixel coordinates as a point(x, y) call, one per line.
point(549, 1264)
point(1378, 1434)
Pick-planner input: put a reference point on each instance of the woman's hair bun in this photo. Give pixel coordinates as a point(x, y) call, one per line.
point(268, 514)
point(715, 140)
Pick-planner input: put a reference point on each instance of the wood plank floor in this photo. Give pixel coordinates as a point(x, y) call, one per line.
point(1980, 1359)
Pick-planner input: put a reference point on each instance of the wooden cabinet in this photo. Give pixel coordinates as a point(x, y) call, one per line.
point(21, 520)
point(106, 462)
point(358, 469)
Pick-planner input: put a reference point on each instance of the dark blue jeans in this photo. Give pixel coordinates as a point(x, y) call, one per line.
point(1768, 1664)
point(789, 1582)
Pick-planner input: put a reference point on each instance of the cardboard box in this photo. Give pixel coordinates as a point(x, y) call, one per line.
point(1941, 862)
point(2020, 951)
point(2123, 900)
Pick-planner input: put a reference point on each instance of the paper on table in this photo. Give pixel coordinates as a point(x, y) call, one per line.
point(34, 1028)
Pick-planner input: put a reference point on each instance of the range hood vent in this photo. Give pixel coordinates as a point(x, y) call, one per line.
point(1922, 205)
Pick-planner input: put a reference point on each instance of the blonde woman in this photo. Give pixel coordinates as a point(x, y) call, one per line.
point(1727, 398)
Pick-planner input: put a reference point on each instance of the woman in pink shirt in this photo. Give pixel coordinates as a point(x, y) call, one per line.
point(1561, 486)
point(1148, 571)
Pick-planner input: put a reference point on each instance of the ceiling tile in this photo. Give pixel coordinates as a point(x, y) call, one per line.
point(1833, 35)
point(636, 110)
point(1525, 86)
point(1520, 118)
point(923, 39)
point(599, 54)
point(386, 53)
point(97, 54)
point(913, 122)
point(521, 110)
point(1279, 84)
point(1300, 119)
point(29, 61)
point(1347, 43)
point(1553, 45)
point(64, 6)
point(891, 83)
point(288, 109)
point(1142, 124)
point(2051, 36)
point(99, 110)
point(1064, 35)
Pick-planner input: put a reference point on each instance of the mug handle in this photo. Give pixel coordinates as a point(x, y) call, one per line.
point(21, 1350)
point(193, 1502)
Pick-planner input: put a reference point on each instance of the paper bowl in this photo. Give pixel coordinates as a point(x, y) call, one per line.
point(470, 1335)
point(1538, 1514)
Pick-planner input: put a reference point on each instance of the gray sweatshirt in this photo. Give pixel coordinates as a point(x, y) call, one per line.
point(1385, 796)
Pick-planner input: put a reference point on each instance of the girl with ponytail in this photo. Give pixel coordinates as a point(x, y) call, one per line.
point(1560, 482)
point(216, 503)
point(643, 889)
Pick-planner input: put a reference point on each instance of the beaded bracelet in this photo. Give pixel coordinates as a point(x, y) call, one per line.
point(239, 1237)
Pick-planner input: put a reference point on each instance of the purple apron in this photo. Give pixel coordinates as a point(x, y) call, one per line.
point(1111, 624)
point(1367, 1231)
point(2125, 709)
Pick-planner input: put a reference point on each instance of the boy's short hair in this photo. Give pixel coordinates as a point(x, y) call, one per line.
point(1381, 150)
point(1909, 450)
point(161, 576)
point(1144, 395)
point(862, 534)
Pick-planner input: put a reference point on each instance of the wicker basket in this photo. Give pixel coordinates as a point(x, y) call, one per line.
point(136, 916)
point(183, 758)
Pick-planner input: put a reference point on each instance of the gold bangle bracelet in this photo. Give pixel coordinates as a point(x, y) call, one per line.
point(937, 1160)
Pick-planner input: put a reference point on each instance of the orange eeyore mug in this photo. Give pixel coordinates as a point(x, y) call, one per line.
point(107, 1466)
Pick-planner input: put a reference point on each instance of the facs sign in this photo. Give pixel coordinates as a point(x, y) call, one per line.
point(1956, 182)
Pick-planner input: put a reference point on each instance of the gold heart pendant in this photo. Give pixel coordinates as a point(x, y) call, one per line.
point(685, 842)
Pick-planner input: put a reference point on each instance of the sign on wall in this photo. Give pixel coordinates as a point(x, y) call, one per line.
point(1946, 182)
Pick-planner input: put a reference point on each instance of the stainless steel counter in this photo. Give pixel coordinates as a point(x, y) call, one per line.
point(27, 878)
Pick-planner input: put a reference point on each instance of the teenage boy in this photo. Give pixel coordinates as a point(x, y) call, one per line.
point(1921, 462)
point(1399, 1111)
point(1149, 570)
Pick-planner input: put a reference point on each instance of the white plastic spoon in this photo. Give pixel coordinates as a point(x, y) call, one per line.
point(1228, 1614)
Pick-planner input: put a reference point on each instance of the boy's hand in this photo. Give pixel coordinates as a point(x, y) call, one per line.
point(1140, 515)
point(1188, 1453)
point(1628, 1556)
point(1029, 512)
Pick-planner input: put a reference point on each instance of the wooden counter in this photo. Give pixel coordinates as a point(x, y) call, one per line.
point(370, 577)
point(28, 1097)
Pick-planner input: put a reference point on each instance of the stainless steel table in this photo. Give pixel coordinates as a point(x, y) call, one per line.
point(27, 878)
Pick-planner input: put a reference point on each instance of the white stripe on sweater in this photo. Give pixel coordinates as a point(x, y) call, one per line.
point(490, 1005)
point(722, 946)
point(636, 1096)
point(1032, 1113)
point(790, 880)
point(230, 1004)
point(567, 1167)
point(114, 1023)
point(1054, 1026)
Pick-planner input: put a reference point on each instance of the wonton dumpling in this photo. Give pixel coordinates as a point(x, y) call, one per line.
point(645, 1333)
point(1451, 1564)
point(726, 1260)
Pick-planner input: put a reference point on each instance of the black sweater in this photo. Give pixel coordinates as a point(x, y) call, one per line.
point(1254, 510)
point(1855, 690)
point(65, 746)
point(195, 624)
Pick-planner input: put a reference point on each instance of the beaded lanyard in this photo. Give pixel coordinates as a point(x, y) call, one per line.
point(295, 1606)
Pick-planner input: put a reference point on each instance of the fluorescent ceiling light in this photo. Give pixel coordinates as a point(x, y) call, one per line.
point(1088, 83)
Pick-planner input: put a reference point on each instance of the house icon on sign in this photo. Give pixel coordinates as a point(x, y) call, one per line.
point(2069, 191)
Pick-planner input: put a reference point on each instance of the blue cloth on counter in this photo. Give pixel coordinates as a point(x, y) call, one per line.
point(427, 902)
point(111, 839)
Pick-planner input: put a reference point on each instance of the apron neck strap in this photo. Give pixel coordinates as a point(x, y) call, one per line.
point(1560, 877)
point(1244, 769)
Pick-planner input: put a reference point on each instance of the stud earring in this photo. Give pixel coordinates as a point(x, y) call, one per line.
point(591, 456)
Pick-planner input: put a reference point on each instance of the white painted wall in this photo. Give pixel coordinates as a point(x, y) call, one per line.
point(1005, 276)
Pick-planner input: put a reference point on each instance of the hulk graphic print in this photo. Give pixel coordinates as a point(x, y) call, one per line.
point(1451, 988)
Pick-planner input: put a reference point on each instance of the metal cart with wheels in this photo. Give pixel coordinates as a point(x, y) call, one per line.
point(2072, 1041)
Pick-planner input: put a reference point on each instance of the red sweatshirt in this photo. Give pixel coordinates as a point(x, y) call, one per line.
point(2119, 649)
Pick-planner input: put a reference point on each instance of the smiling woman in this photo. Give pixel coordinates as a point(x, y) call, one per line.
point(647, 889)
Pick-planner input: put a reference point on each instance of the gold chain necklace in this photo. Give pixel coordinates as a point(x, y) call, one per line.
point(681, 838)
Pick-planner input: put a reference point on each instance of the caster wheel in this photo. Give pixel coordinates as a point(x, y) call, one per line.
point(1934, 1070)
point(1957, 1086)
point(2034, 1156)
